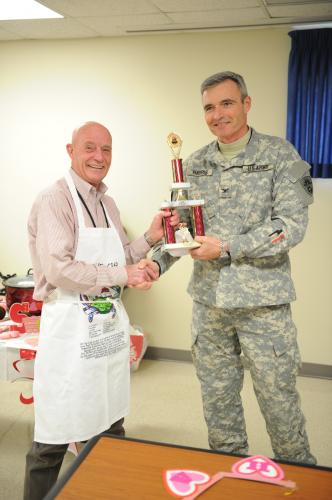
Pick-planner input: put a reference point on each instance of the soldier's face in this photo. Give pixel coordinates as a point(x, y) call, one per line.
point(225, 111)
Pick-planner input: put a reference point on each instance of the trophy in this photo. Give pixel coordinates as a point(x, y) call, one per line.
point(179, 242)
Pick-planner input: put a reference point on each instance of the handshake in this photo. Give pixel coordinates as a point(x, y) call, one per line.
point(143, 274)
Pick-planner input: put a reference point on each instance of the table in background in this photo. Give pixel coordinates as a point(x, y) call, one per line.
point(125, 469)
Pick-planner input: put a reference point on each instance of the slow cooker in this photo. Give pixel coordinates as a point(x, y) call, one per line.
point(20, 289)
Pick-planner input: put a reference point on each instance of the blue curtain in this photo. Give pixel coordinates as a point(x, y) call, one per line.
point(309, 109)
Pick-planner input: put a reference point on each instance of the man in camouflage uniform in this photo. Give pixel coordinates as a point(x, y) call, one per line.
point(257, 191)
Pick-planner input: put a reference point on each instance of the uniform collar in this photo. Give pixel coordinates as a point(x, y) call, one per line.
point(246, 157)
point(234, 148)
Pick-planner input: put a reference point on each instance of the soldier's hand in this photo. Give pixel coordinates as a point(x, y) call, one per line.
point(150, 267)
point(143, 274)
point(209, 249)
point(138, 277)
point(146, 285)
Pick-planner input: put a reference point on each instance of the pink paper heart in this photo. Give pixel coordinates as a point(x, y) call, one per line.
point(258, 465)
point(183, 482)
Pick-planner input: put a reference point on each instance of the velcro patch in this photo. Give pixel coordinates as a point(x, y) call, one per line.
point(197, 172)
point(297, 170)
point(306, 183)
point(256, 168)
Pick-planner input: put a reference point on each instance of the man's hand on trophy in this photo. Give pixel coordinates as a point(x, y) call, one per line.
point(210, 248)
point(156, 232)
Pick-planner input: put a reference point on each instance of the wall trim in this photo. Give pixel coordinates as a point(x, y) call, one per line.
point(165, 354)
point(313, 370)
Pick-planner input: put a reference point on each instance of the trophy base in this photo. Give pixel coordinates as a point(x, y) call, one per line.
point(180, 249)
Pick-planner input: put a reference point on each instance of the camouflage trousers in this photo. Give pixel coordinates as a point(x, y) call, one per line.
point(266, 337)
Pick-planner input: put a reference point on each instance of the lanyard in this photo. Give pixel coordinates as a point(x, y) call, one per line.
point(86, 208)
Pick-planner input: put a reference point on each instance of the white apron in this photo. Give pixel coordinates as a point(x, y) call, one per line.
point(82, 372)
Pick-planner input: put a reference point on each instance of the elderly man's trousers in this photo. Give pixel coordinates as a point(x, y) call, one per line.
point(264, 340)
point(43, 463)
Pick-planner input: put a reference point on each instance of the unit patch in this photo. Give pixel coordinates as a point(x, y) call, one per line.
point(306, 183)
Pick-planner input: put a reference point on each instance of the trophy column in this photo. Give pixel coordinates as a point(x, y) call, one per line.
point(179, 242)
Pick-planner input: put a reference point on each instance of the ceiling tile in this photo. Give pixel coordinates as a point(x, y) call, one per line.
point(292, 2)
point(49, 28)
point(8, 35)
point(199, 5)
point(307, 10)
point(103, 25)
point(101, 8)
point(221, 17)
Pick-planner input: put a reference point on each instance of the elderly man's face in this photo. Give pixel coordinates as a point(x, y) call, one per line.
point(91, 153)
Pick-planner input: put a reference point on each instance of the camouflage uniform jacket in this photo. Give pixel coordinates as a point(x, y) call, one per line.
point(258, 202)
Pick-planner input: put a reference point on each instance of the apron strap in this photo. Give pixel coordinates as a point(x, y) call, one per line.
point(77, 197)
point(73, 192)
point(108, 220)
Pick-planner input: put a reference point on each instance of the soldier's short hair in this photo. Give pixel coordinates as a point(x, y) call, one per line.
point(217, 78)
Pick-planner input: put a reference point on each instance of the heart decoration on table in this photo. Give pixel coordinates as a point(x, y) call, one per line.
point(181, 483)
point(190, 483)
point(258, 466)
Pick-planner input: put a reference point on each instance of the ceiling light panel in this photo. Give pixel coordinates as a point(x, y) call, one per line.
point(25, 9)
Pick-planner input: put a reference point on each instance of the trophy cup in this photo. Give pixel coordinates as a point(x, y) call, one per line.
point(179, 242)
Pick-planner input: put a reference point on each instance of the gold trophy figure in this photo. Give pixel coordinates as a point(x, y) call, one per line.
point(179, 242)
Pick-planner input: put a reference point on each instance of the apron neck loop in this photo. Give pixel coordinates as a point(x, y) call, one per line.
point(76, 197)
point(76, 200)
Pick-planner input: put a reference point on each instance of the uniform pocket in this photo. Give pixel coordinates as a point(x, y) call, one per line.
point(194, 335)
point(210, 210)
point(195, 321)
point(287, 361)
point(256, 197)
point(279, 347)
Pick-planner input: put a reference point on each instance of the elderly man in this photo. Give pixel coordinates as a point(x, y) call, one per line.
point(81, 258)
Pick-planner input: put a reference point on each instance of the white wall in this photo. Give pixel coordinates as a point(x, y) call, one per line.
point(143, 88)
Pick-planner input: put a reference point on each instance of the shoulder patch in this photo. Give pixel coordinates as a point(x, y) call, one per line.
point(297, 170)
point(299, 175)
point(306, 183)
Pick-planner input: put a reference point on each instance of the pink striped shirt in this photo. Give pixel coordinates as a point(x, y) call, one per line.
point(53, 233)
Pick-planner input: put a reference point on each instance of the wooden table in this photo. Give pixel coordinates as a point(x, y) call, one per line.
point(125, 469)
